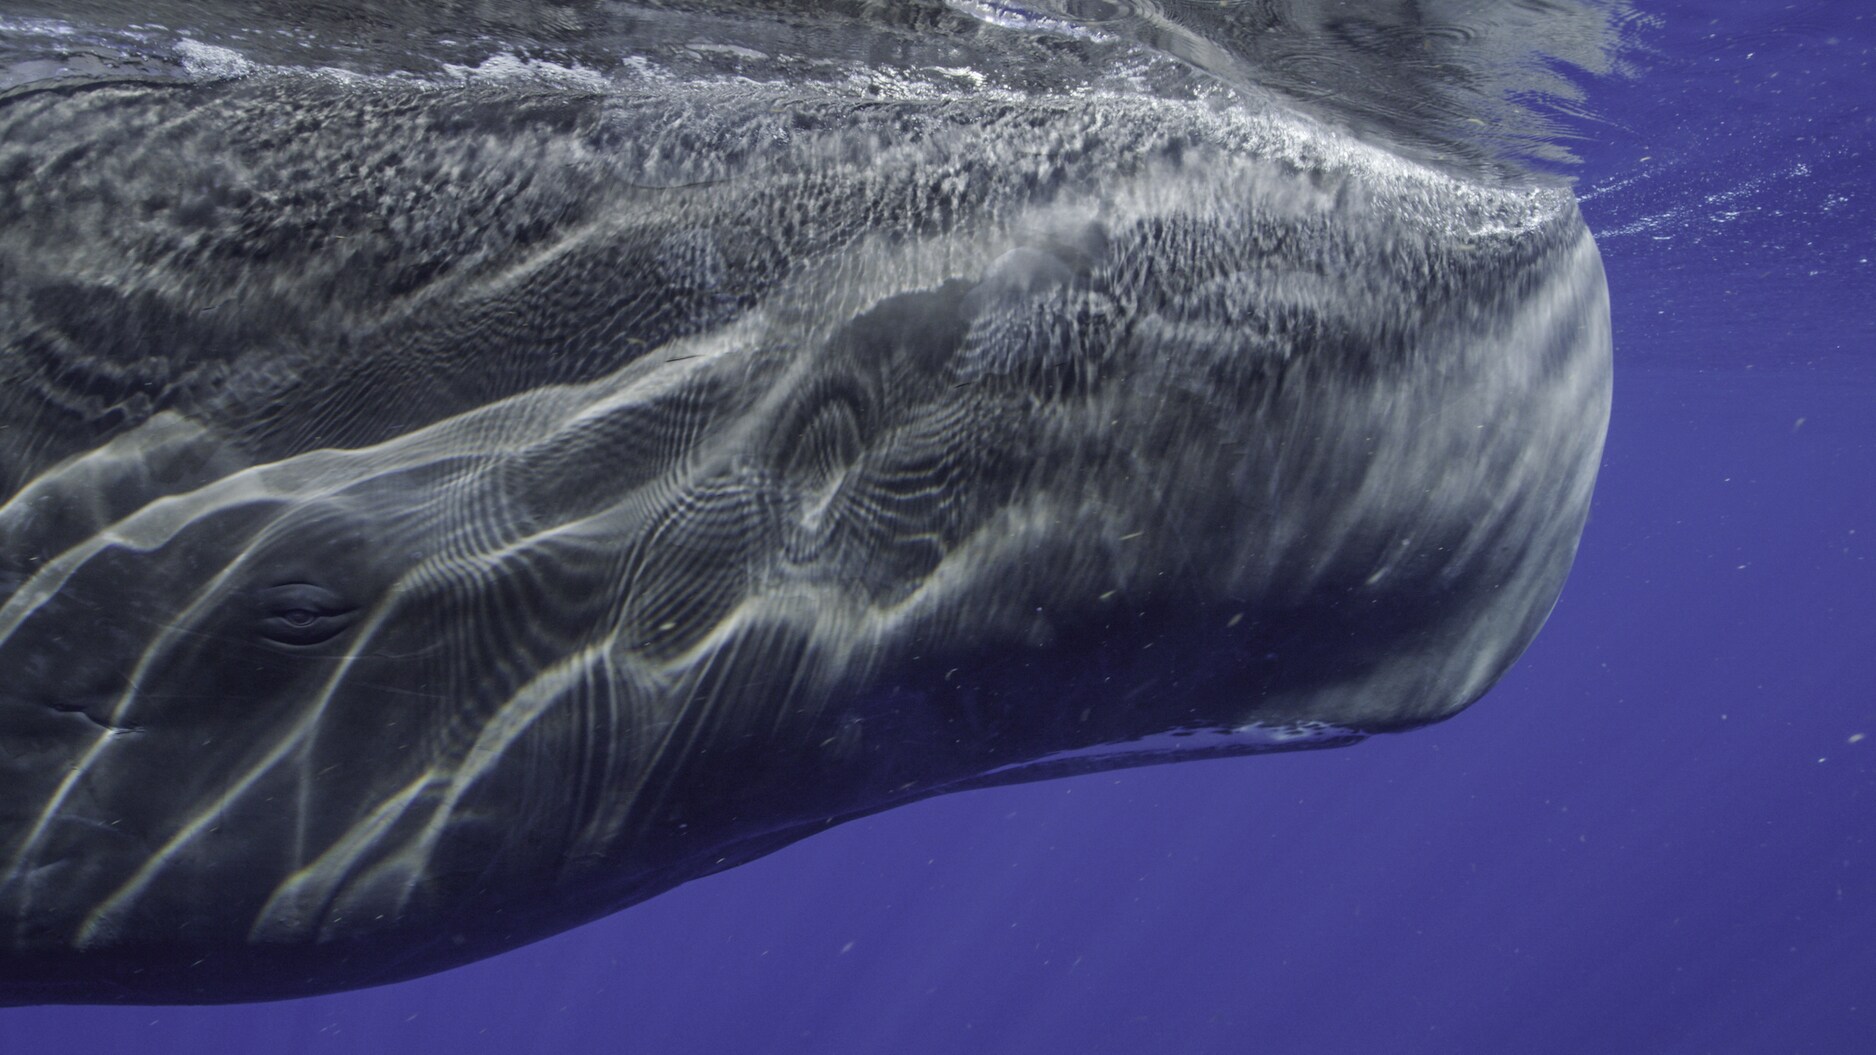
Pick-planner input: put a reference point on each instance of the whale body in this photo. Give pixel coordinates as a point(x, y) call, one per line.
point(434, 514)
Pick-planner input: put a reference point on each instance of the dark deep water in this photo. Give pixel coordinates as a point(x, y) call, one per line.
point(1654, 836)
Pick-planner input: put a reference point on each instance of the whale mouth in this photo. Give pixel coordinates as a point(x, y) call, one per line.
point(1251, 738)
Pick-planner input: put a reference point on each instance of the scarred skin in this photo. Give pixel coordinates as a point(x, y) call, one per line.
point(431, 518)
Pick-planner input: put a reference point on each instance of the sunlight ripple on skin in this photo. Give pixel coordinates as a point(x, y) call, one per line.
point(614, 478)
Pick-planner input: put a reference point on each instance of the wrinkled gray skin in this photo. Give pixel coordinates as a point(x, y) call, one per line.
point(433, 517)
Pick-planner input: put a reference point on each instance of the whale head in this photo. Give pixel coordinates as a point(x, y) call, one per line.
point(630, 526)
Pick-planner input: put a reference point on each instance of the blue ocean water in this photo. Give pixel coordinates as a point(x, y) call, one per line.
point(1656, 835)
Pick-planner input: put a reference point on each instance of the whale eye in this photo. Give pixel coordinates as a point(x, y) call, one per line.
point(300, 613)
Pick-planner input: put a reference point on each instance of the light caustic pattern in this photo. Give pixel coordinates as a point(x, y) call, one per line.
point(607, 481)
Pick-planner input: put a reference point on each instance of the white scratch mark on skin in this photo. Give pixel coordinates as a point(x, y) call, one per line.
point(503, 730)
point(296, 901)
